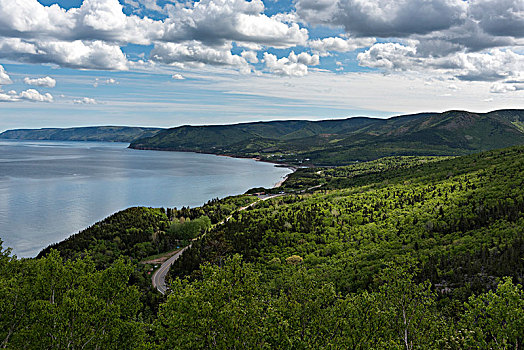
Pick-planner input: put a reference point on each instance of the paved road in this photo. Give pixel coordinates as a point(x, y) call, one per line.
point(159, 277)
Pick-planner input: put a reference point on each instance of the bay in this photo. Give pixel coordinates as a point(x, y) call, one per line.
point(52, 189)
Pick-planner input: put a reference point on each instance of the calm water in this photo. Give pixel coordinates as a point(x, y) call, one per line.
point(50, 189)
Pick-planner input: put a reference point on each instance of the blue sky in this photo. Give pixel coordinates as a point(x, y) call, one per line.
point(167, 63)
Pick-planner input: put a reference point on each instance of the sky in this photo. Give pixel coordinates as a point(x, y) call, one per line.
point(167, 63)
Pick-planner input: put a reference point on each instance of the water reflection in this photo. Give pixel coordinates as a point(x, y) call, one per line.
point(49, 190)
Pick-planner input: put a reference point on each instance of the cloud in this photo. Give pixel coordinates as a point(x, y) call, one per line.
point(88, 37)
point(340, 44)
point(491, 65)
point(215, 22)
point(384, 18)
point(109, 81)
point(46, 81)
point(441, 27)
point(76, 54)
point(196, 54)
point(456, 37)
point(250, 56)
point(151, 5)
point(132, 3)
point(499, 17)
point(177, 76)
point(40, 34)
point(293, 65)
point(35, 96)
point(6, 97)
point(500, 88)
point(85, 101)
point(4, 77)
point(468, 37)
point(391, 56)
point(31, 95)
point(95, 20)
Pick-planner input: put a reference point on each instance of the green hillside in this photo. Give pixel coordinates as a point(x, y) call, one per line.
point(91, 133)
point(440, 211)
point(339, 142)
point(399, 253)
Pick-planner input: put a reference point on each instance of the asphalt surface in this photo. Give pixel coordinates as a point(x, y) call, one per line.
point(159, 277)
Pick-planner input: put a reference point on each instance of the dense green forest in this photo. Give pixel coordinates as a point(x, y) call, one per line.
point(460, 218)
point(90, 133)
point(340, 142)
point(397, 253)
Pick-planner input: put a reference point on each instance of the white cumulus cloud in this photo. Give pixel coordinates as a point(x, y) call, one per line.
point(31, 95)
point(219, 21)
point(177, 76)
point(94, 20)
point(441, 28)
point(250, 56)
point(196, 54)
point(392, 56)
point(490, 65)
point(293, 65)
point(340, 44)
point(35, 96)
point(45, 81)
point(75, 54)
point(109, 81)
point(501, 88)
point(4, 77)
point(85, 101)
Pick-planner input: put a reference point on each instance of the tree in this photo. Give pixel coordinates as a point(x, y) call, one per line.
point(49, 303)
point(495, 320)
point(224, 310)
point(407, 309)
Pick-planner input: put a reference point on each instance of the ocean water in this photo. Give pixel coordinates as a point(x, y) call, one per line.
point(52, 189)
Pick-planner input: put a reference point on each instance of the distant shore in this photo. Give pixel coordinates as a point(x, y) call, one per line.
point(283, 165)
point(293, 168)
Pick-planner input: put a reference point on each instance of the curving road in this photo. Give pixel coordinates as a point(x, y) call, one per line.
point(159, 277)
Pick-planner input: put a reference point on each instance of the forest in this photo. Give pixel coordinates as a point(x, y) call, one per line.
point(401, 252)
point(89, 133)
point(342, 141)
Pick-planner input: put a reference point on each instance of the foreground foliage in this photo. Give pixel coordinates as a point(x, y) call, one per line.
point(51, 303)
point(229, 307)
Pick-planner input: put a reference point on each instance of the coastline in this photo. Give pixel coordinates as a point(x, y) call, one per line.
point(247, 180)
point(258, 159)
point(281, 182)
point(293, 168)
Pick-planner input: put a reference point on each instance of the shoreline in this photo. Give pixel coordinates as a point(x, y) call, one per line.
point(281, 182)
point(71, 230)
point(293, 168)
point(282, 165)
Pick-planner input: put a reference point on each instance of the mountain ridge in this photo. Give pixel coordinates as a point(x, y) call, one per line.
point(329, 142)
point(89, 133)
point(343, 141)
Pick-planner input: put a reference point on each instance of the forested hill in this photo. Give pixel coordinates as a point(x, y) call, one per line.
point(462, 218)
point(397, 253)
point(91, 133)
point(339, 142)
